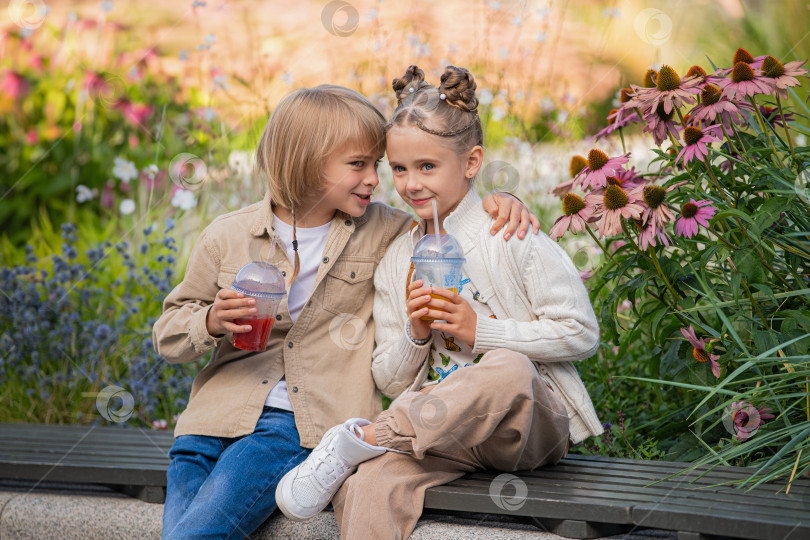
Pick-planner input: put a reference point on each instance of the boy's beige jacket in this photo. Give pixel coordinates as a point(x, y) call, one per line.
point(326, 354)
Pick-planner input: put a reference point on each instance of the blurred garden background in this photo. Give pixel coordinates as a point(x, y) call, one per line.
point(125, 127)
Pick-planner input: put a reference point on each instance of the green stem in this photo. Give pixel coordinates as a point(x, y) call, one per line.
point(660, 270)
point(765, 130)
point(598, 243)
point(784, 125)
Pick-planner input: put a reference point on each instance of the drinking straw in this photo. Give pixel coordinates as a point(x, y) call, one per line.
point(436, 227)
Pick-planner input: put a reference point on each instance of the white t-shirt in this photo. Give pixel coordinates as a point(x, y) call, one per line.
point(311, 242)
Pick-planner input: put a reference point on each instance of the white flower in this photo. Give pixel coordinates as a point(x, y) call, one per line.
point(84, 193)
point(498, 114)
point(151, 170)
point(547, 104)
point(287, 78)
point(184, 199)
point(494, 5)
point(124, 170)
point(198, 3)
point(70, 84)
point(517, 20)
point(183, 55)
point(540, 37)
point(372, 14)
point(107, 6)
point(126, 207)
point(210, 39)
point(562, 117)
point(485, 96)
point(504, 52)
point(240, 160)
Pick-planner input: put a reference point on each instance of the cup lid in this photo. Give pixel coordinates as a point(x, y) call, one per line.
point(260, 279)
point(446, 248)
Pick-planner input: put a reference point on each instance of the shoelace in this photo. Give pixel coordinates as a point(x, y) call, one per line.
point(330, 467)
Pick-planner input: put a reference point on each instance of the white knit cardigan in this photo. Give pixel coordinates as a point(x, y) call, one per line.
point(531, 286)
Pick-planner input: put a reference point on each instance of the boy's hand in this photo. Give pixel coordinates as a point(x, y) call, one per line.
point(418, 297)
point(459, 314)
point(505, 207)
point(229, 305)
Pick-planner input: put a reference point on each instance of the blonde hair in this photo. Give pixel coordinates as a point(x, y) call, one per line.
point(449, 111)
point(304, 130)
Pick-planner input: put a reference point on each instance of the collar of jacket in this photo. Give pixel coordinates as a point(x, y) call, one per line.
point(264, 219)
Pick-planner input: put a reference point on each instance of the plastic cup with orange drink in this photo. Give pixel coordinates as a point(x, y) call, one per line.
point(437, 261)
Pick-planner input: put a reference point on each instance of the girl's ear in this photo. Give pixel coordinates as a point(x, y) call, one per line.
point(475, 158)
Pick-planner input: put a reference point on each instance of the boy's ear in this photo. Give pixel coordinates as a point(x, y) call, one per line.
point(475, 158)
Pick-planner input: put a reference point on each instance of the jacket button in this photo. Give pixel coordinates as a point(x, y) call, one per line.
point(283, 273)
point(348, 222)
point(295, 389)
point(290, 344)
point(352, 274)
point(309, 303)
point(264, 381)
point(325, 260)
point(278, 317)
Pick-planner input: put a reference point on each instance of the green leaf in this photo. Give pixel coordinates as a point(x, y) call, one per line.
point(749, 265)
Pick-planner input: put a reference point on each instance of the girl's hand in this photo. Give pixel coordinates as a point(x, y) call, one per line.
point(506, 207)
point(229, 305)
point(418, 297)
point(459, 314)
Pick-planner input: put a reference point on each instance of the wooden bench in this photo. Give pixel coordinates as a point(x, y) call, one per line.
point(581, 497)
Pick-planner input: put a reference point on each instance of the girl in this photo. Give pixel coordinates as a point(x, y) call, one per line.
point(252, 416)
point(490, 383)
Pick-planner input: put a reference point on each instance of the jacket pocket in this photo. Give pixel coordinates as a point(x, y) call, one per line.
point(347, 284)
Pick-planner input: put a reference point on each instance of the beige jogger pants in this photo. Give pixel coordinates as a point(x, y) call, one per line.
point(498, 414)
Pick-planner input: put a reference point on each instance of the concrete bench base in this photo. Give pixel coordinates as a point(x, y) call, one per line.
point(82, 512)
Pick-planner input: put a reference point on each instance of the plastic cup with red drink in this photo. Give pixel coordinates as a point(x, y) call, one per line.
point(264, 283)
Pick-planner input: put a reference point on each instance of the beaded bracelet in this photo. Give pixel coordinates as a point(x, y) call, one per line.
point(410, 336)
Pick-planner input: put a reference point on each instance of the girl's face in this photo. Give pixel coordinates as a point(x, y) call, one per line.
point(350, 175)
point(426, 168)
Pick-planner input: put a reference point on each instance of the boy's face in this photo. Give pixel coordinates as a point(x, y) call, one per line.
point(425, 169)
point(350, 175)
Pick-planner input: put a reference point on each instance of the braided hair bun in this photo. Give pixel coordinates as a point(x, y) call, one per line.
point(458, 85)
point(412, 81)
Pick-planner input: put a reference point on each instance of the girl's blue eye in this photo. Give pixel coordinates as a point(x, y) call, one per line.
point(398, 168)
point(428, 166)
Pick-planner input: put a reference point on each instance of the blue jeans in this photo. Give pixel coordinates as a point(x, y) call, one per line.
point(221, 487)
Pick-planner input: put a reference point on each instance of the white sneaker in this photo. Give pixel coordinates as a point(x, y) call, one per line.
point(308, 488)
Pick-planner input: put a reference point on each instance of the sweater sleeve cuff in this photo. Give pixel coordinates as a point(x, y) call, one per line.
point(411, 353)
point(488, 335)
point(201, 340)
